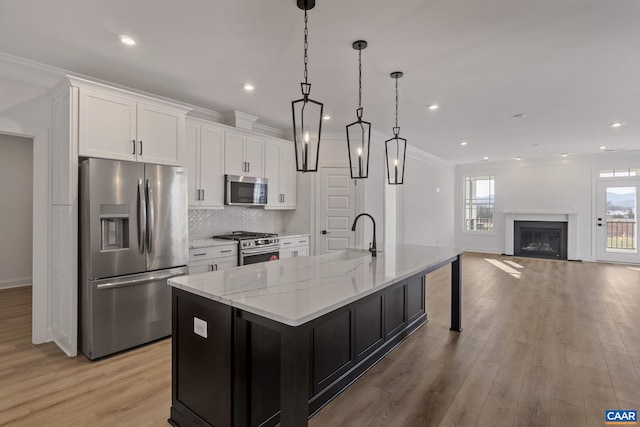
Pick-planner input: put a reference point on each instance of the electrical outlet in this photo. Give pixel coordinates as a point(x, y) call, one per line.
point(200, 327)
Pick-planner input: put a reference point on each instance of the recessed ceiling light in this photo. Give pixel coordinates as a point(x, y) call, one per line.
point(518, 158)
point(519, 116)
point(565, 154)
point(616, 124)
point(463, 143)
point(485, 158)
point(433, 107)
point(326, 117)
point(127, 40)
point(602, 147)
point(249, 87)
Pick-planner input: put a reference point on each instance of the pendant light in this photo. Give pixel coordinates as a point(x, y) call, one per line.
point(359, 132)
point(396, 147)
point(307, 113)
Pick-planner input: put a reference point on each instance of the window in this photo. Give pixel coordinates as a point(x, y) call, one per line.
point(478, 203)
point(617, 173)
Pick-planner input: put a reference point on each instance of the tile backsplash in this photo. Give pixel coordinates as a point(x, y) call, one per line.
point(207, 223)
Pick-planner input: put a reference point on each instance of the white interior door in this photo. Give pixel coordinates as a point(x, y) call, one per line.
point(337, 209)
point(616, 221)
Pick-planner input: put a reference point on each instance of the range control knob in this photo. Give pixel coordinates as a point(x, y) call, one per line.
point(245, 243)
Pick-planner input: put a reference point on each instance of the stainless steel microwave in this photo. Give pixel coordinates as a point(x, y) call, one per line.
point(245, 191)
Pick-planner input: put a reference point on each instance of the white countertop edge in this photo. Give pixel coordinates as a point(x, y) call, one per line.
point(210, 243)
point(289, 236)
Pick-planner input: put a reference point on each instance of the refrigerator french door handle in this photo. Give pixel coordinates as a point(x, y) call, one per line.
point(151, 223)
point(142, 217)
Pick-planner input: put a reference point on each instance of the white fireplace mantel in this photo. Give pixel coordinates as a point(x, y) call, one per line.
point(571, 218)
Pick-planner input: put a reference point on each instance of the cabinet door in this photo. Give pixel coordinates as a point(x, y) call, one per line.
point(272, 173)
point(202, 266)
point(226, 262)
point(107, 126)
point(192, 137)
point(286, 253)
point(302, 251)
point(254, 155)
point(211, 167)
point(160, 135)
point(234, 163)
point(288, 175)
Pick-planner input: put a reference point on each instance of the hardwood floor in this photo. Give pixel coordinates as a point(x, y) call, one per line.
point(545, 343)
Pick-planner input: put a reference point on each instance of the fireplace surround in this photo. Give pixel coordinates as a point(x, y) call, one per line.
point(571, 218)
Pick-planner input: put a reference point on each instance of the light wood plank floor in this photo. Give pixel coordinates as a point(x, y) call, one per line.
point(545, 343)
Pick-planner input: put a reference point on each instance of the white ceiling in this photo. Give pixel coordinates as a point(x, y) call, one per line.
point(573, 66)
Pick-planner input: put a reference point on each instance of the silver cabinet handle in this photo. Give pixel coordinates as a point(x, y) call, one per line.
point(302, 241)
point(197, 194)
point(216, 267)
point(286, 243)
point(210, 267)
point(225, 251)
point(248, 167)
point(202, 195)
point(141, 147)
point(203, 253)
point(133, 146)
point(142, 217)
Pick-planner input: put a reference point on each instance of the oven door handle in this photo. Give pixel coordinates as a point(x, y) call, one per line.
point(260, 251)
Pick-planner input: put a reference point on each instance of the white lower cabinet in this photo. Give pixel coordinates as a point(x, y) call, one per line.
point(203, 260)
point(294, 246)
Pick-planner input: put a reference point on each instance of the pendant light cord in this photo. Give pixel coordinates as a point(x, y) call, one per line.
point(306, 45)
point(396, 102)
point(360, 78)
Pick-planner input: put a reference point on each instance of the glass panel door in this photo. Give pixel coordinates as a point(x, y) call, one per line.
point(616, 222)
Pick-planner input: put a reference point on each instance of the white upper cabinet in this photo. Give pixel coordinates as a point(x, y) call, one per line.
point(107, 126)
point(205, 164)
point(243, 155)
point(116, 125)
point(280, 170)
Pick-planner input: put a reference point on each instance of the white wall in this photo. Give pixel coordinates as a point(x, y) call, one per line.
point(562, 185)
point(16, 193)
point(426, 200)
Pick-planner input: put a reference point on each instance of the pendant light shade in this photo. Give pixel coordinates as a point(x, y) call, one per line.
point(396, 147)
point(307, 113)
point(359, 132)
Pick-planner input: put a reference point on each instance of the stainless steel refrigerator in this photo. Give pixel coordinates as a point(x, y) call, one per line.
point(133, 237)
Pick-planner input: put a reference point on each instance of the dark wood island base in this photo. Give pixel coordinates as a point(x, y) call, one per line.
point(242, 369)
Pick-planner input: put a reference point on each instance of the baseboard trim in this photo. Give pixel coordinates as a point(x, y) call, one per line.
point(15, 283)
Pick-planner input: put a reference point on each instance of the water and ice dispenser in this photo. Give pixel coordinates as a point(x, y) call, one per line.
point(114, 226)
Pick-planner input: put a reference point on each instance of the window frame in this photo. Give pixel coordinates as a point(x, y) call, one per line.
point(465, 206)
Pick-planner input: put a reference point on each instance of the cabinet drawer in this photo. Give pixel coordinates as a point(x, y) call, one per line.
point(213, 252)
point(289, 242)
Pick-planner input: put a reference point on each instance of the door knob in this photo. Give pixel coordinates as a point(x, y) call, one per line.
point(325, 232)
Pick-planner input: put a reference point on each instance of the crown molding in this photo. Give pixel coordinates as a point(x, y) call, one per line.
point(29, 73)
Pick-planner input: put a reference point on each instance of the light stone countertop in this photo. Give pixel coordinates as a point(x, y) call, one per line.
point(296, 290)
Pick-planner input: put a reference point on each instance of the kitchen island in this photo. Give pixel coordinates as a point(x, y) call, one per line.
point(274, 342)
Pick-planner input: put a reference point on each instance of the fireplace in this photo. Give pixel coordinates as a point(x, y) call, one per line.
point(540, 239)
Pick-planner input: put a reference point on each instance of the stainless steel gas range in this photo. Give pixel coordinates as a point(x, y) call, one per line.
point(254, 247)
